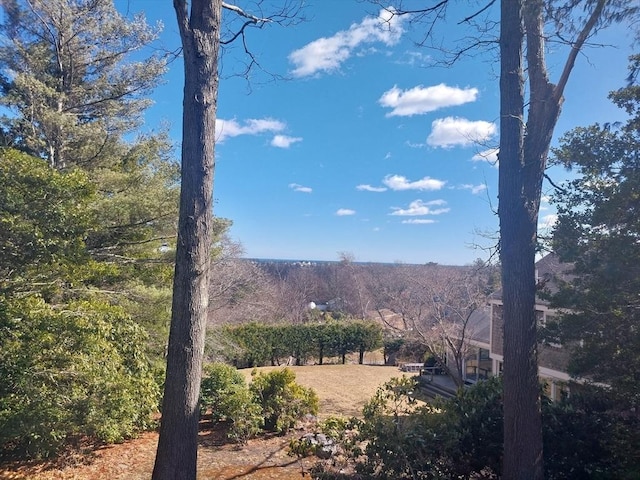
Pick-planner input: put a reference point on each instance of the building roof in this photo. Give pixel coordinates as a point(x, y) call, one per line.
point(479, 325)
point(549, 271)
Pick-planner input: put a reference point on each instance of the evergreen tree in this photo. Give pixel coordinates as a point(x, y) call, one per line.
point(69, 79)
point(597, 231)
point(74, 80)
point(88, 222)
point(70, 363)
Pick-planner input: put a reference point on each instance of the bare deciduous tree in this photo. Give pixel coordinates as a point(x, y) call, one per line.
point(451, 296)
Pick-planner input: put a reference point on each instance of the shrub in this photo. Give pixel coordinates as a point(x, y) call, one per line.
point(219, 381)
point(397, 433)
point(456, 438)
point(224, 392)
point(80, 371)
point(591, 434)
point(282, 400)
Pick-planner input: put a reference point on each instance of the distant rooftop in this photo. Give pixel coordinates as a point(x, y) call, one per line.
point(549, 269)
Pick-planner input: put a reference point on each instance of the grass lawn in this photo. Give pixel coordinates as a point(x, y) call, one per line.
point(342, 389)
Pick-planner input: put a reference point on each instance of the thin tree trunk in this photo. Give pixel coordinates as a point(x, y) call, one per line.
point(176, 456)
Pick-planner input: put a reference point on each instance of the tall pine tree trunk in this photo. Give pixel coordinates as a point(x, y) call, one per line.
point(176, 456)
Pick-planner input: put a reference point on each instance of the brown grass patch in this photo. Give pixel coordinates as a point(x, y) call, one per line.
point(342, 389)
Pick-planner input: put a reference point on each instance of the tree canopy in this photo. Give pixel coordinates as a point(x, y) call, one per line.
point(70, 80)
point(597, 232)
point(88, 209)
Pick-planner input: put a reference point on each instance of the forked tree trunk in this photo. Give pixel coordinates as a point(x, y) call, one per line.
point(522, 165)
point(176, 456)
point(522, 421)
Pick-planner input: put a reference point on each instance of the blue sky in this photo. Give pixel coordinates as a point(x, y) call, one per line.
point(365, 145)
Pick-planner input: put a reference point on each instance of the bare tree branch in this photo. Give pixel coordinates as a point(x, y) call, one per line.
point(474, 15)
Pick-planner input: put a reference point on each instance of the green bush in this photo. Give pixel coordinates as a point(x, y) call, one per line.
point(225, 394)
point(219, 382)
point(78, 371)
point(255, 344)
point(591, 434)
point(397, 433)
point(282, 400)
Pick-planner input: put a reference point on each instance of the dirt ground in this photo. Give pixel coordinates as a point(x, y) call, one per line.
point(342, 389)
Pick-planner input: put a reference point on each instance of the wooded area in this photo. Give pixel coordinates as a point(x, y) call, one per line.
point(112, 263)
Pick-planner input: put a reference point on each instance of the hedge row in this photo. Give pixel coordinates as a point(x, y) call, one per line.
point(257, 344)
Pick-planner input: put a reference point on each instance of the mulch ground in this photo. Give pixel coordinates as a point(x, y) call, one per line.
point(343, 390)
point(261, 459)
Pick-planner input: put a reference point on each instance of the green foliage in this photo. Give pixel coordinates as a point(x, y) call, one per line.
point(273, 401)
point(456, 438)
point(44, 219)
point(225, 394)
point(398, 433)
point(71, 79)
point(471, 434)
point(86, 239)
point(282, 400)
point(259, 344)
point(253, 342)
point(80, 370)
point(597, 233)
point(136, 208)
point(336, 427)
point(219, 381)
point(591, 434)
point(301, 447)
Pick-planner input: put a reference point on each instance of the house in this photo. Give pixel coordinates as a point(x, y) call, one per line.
point(477, 363)
point(552, 358)
point(485, 329)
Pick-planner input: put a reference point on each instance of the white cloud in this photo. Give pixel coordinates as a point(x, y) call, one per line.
point(419, 221)
point(418, 59)
point(369, 188)
point(419, 100)
point(345, 211)
point(284, 141)
point(414, 145)
point(252, 126)
point(327, 54)
point(547, 221)
point(475, 189)
point(451, 131)
point(489, 156)
point(398, 182)
point(299, 188)
point(418, 207)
